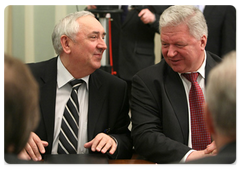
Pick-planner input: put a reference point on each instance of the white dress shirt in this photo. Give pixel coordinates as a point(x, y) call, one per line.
point(63, 93)
point(187, 87)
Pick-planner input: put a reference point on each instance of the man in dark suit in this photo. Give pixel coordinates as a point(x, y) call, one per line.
point(133, 38)
point(160, 110)
point(220, 111)
point(103, 103)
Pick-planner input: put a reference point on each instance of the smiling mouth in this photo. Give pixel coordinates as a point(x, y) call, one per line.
point(98, 54)
point(174, 61)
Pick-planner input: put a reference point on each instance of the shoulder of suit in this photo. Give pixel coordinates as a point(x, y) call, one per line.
point(215, 57)
point(43, 63)
point(39, 68)
point(154, 74)
point(105, 76)
point(156, 69)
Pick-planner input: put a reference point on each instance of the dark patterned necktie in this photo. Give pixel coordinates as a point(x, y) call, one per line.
point(68, 136)
point(200, 135)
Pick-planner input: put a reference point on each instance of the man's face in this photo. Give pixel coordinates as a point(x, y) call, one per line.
point(181, 50)
point(88, 45)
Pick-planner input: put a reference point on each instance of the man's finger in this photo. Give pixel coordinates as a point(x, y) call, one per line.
point(107, 146)
point(30, 152)
point(113, 148)
point(24, 155)
point(101, 144)
point(88, 144)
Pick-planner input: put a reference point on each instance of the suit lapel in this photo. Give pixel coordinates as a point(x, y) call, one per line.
point(96, 100)
point(210, 63)
point(48, 97)
point(176, 94)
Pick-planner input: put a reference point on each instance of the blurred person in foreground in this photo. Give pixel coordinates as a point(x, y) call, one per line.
point(21, 110)
point(91, 119)
point(220, 111)
point(167, 119)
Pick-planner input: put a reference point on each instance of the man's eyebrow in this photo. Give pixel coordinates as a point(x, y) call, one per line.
point(162, 41)
point(97, 32)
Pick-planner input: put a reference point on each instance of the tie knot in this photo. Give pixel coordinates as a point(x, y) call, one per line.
point(76, 83)
point(192, 77)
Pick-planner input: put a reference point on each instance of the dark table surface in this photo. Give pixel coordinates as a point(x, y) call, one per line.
point(90, 159)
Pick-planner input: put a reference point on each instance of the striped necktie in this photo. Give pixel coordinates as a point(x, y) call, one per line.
point(68, 136)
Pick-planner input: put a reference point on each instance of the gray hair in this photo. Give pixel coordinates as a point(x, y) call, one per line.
point(189, 15)
point(67, 26)
point(221, 96)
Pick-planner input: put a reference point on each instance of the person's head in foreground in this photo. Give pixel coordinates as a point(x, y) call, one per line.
point(21, 110)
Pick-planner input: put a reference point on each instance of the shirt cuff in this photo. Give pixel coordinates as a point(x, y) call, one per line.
point(185, 157)
point(114, 139)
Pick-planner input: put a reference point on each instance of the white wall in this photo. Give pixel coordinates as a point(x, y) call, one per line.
point(28, 30)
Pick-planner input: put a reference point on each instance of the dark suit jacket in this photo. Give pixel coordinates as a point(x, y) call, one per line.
point(133, 41)
point(160, 112)
point(107, 112)
point(226, 155)
point(221, 21)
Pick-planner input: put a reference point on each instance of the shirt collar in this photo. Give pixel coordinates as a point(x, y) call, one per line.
point(201, 70)
point(63, 76)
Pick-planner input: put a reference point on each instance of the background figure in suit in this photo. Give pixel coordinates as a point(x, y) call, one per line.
point(21, 110)
point(221, 21)
point(161, 118)
point(133, 39)
point(103, 103)
point(220, 110)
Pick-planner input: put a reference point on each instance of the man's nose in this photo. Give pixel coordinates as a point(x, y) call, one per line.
point(171, 51)
point(102, 44)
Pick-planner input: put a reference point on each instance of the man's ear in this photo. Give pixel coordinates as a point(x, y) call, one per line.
point(65, 43)
point(203, 42)
point(208, 119)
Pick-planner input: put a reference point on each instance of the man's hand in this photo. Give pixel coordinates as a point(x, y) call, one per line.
point(209, 151)
point(91, 7)
point(102, 143)
point(146, 16)
point(33, 148)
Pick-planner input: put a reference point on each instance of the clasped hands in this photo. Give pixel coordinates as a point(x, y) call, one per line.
point(211, 150)
point(35, 146)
